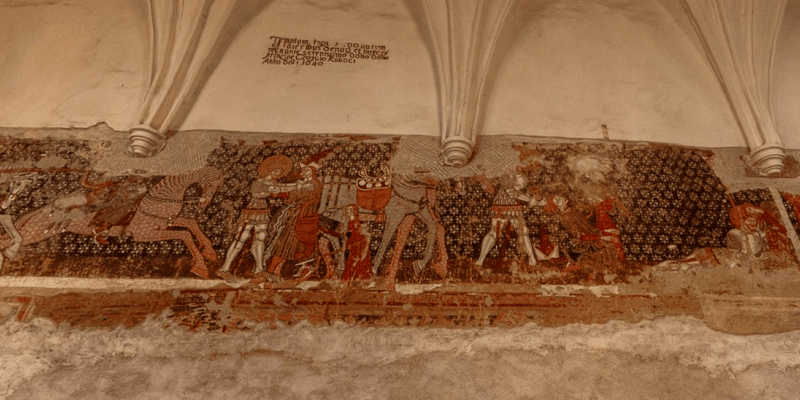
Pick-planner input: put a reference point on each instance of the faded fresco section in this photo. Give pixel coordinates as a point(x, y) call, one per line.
point(305, 218)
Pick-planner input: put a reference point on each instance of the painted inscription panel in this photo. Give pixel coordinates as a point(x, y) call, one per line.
point(316, 53)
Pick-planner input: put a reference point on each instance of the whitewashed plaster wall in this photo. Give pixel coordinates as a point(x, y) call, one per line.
point(624, 63)
point(786, 73)
point(381, 97)
point(72, 63)
point(564, 67)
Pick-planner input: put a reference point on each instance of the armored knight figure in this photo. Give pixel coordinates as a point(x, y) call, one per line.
point(748, 236)
point(508, 206)
point(256, 216)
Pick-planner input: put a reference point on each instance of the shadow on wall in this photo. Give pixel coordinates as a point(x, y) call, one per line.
point(244, 13)
point(505, 41)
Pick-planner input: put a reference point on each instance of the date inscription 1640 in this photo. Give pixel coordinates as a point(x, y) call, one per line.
point(315, 53)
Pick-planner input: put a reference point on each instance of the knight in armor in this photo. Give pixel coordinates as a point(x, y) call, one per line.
point(256, 217)
point(748, 237)
point(508, 206)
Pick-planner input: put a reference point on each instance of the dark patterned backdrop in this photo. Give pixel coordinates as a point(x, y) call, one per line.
point(677, 204)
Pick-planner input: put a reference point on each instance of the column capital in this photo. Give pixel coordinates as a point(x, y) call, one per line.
point(739, 39)
point(145, 141)
point(464, 35)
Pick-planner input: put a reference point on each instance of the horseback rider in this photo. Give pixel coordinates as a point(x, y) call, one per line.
point(115, 203)
point(18, 184)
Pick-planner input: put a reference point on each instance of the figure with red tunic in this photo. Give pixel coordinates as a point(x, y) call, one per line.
point(115, 203)
point(599, 245)
point(777, 236)
point(605, 224)
point(358, 265)
point(747, 237)
point(756, 231)
point(295, 226)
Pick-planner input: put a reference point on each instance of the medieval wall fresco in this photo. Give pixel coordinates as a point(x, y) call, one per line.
point(305, 218)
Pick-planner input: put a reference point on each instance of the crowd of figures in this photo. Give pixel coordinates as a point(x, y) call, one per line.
point(338, 211)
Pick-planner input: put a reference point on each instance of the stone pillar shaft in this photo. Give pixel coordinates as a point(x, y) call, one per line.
point(464, 34)
point(184, 37)
point(739, 38)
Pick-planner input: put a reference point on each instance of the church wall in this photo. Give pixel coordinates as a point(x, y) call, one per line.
point(562, 70)
point(648, 285)
point(116, 316)
point(72, 63)
point(129, 319)
point(665, 359)
point(787, 64)
point(244, 217)
point(625, 64)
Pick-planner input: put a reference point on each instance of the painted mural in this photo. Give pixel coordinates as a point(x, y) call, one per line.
point(337, 210)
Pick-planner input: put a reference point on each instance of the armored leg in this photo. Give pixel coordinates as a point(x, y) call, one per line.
point(339, 271)
point(328, 244)
point(257, 247)
point(523, 234)
point(490, 239)
point(278, 227)
point(236, 247)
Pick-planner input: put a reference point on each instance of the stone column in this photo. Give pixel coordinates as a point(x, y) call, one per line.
point(464, 34)
point(185, 36)
point(739, 38)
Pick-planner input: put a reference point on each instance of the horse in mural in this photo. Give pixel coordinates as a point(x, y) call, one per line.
point(411, 201)
point(156, 212)
point(398, 203)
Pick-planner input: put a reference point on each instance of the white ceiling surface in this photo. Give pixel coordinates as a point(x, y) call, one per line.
point(564, 67)
point(786, 73)
point(397, 96)
point(72, 63)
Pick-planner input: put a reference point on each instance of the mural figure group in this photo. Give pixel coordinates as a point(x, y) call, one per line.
point(258, 216)
point(596, 244)
point(758, 240)
point(339, 212)
point(152, 218)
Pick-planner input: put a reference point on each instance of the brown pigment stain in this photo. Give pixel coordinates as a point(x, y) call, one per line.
point(102, 309)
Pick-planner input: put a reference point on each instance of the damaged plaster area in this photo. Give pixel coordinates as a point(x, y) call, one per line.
point(550, 269)
point(667, 358)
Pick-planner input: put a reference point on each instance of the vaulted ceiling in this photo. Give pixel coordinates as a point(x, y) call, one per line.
point(694, 72)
